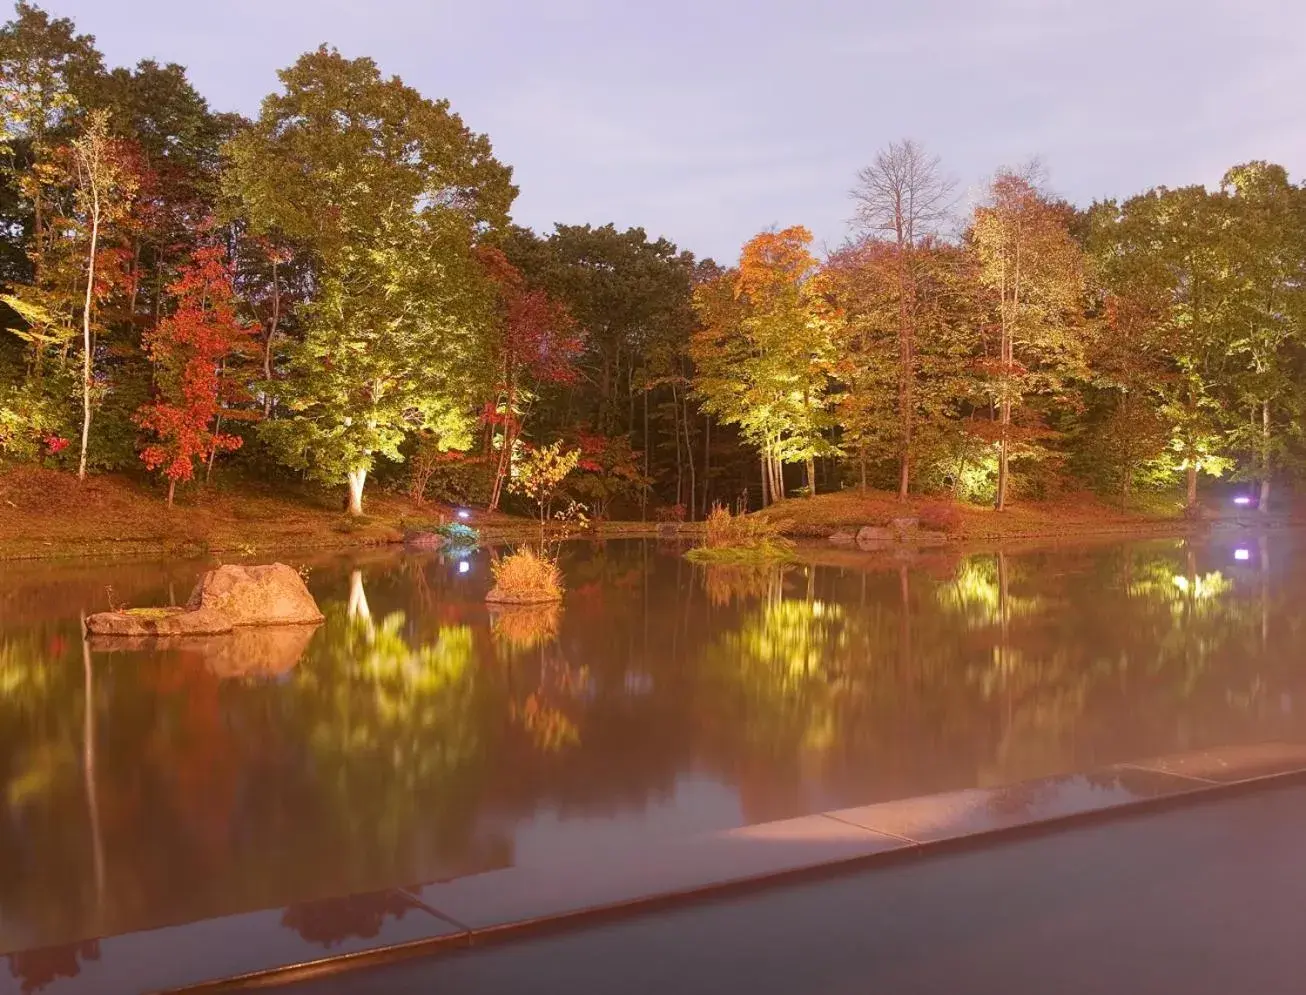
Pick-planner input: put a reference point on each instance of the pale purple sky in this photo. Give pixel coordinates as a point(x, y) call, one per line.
point(709, 120)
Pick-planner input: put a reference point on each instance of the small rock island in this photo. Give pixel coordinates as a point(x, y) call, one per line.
point(224, 599)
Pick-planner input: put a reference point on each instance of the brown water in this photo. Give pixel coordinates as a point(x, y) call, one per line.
point(415, 736)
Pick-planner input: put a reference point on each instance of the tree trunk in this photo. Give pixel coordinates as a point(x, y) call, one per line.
point(707, 462)
point(86, 336)
point(643, 494)
point(172, 490)
point(811, 477)
point(272, 334)
point(689, 455)
point(766, 475)
point(213, 451)
point(356, 480)
point(675, 428)
point(905, 372)
point(1263, 505)
point(1192, 487)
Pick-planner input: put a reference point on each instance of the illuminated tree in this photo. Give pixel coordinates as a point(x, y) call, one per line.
point(762, 357)
point(386, 191)
point(189, 350)
point(534, 342)
point(1032, 268)
point(903, 199)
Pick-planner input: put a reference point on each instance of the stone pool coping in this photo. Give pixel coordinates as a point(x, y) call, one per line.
point(259, 949)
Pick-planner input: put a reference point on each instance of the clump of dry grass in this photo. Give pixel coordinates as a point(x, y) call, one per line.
point(742, 539)
point(525, 577)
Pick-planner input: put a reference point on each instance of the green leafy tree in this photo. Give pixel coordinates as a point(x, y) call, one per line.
point(44, 64)
point(1267, 242)
point(1032, 268)
point(386, 192)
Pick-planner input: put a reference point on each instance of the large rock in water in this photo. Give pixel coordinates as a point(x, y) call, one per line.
point(266, 595)
point(224, 598)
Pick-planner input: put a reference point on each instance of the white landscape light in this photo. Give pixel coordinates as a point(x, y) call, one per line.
point(464, 514)
point(1242, 499)
point(464, 567)
point(1242, 555)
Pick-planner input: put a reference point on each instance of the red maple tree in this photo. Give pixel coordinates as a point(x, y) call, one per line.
point(189, 351)
point(537, 342)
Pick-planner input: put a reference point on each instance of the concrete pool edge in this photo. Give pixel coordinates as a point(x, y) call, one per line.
point(517, 902)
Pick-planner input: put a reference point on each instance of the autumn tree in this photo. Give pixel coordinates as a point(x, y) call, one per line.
point(189, 350)
point(1032, 269)
point(386, 193)
point(533, 341)
point(762, 357)
point(862, 282)
point(903, 198)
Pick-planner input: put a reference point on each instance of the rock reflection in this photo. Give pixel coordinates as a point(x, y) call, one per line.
point(261, 653)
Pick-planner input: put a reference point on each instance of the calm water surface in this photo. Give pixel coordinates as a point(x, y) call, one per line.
point(416, 736)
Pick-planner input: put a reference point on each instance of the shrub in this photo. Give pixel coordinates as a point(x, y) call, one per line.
point(670, 513)
point(941, 516)
point(525, 578)
point(742, 539)
point(458, 534)
point(727, 530)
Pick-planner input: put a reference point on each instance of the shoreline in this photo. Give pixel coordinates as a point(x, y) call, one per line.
point(192, 548)
point(48, 515)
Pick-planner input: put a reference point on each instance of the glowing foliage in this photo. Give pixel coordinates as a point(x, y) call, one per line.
point(190, 349)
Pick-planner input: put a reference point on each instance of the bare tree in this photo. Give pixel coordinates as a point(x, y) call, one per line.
point(904, 197)
point(105, 187)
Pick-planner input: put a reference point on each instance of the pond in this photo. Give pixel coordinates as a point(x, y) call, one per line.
point(416, 736)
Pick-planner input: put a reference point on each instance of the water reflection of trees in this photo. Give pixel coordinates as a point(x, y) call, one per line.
point(37, 969)
point(417, 726)
point(331, 921)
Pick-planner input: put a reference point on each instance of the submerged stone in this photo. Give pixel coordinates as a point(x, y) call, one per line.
point(154, 622)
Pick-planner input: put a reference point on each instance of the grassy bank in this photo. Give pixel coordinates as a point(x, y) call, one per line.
point(49, 514)
point(46, 513)
point(1073, 515)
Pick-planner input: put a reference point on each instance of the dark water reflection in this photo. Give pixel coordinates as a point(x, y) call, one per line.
point(416, 736)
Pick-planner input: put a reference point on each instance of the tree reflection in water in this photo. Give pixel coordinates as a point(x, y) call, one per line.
point(419, 735)
point(35, 969)
point(331, 921)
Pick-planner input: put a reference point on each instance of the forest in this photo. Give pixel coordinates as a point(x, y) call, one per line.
point(333, 298)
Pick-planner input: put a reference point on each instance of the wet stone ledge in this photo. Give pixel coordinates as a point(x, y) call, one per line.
point(260, 948)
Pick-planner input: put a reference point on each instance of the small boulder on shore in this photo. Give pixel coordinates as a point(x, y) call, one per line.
point(224, 598)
